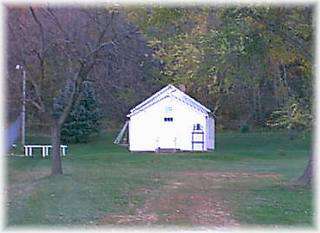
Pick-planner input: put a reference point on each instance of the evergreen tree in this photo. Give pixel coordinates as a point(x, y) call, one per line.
point(84, 119)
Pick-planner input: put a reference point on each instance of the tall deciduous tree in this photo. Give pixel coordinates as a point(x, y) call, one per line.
point(254, 56)
point(60, 47)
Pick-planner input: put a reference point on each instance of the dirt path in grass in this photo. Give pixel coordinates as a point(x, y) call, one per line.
point(188, 198)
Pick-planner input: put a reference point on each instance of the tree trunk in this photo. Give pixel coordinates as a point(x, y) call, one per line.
point(259, 104)
point(254, 106)
point(292, 133)
point(307, 175)
point(56, 168)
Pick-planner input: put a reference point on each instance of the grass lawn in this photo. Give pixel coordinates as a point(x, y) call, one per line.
point(246, 180)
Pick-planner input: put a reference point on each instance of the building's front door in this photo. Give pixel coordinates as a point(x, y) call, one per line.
point(168, 137)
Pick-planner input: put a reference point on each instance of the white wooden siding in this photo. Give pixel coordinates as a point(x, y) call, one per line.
point(148, 130)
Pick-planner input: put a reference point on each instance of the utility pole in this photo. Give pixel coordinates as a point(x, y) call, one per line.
point(23, 112)
point(23, 126)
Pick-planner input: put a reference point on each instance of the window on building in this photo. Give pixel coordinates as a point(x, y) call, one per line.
point(168, 119)
point(197, 127)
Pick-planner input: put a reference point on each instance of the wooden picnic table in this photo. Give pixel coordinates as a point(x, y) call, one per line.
point(45, 149)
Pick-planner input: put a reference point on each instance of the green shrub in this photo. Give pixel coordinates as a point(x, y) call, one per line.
point(244, 128)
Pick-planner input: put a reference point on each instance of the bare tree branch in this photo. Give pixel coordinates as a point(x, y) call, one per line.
point(40, 27)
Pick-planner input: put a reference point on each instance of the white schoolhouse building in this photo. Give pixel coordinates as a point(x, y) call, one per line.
point(170, 120)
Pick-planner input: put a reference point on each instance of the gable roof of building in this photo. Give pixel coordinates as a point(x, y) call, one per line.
point(168, 91)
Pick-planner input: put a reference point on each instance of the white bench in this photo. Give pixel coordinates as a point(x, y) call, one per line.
point(44, 149)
